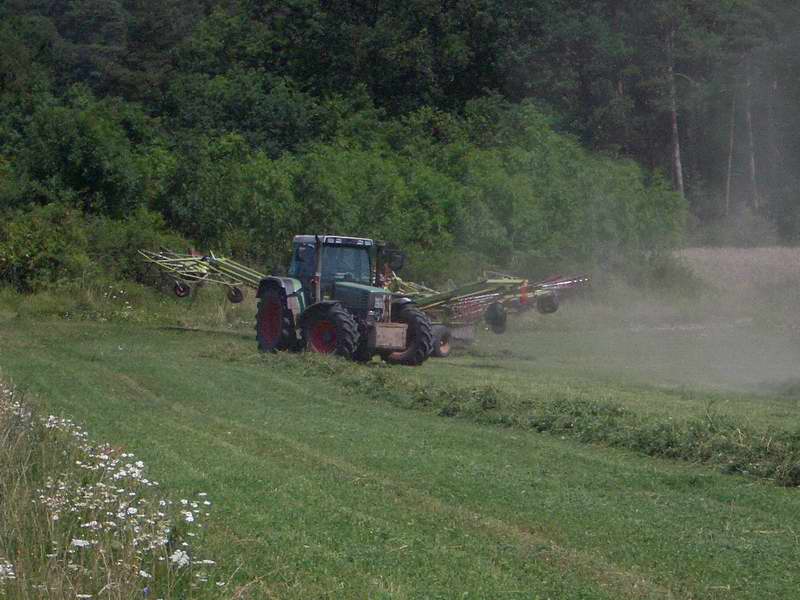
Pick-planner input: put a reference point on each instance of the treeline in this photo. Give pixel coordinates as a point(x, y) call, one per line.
point(510, 134)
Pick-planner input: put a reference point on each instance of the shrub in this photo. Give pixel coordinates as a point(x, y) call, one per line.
point(43, 245)
point(113, 243)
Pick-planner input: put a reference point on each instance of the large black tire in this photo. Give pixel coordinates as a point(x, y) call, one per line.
point(331, 330)
point(547, 304)
point(419, 337)
point(274, 329)
point(363, 354)
point(496, 317)
point(441, 341)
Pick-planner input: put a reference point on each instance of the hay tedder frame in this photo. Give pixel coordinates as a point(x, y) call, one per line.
point(490, 300)
point(192, 269)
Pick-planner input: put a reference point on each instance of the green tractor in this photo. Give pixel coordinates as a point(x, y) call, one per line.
point(334, 302)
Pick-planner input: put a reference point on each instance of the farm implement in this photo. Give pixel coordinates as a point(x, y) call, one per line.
point(342, 296)
point(193, 269)
point(456, 313)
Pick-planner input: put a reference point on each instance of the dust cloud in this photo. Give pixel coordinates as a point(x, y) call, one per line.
point(739, 331)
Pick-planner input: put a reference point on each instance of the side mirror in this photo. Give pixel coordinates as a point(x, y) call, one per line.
point(396, 260)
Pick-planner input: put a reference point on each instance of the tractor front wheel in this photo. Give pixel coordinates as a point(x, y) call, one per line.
point(419, 337)
point(331, 330)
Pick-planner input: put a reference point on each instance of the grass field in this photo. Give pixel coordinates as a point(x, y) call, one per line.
point(335, 480)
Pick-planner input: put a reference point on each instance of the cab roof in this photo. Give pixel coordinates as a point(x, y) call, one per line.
point(333, 240)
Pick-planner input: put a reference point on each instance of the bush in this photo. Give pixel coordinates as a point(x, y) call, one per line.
point(113, 243)
point(43, 245)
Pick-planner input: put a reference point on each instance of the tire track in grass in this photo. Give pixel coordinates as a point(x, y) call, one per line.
point(623, 582)
point(286, 454)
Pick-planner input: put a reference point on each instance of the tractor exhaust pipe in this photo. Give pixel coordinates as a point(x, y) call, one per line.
point(318, 269)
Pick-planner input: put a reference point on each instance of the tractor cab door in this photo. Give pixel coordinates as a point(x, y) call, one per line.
point(302, 268)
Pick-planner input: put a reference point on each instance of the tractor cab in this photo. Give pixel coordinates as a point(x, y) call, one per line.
point(330, 260)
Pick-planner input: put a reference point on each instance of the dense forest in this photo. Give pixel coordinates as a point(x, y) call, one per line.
point(514, 134)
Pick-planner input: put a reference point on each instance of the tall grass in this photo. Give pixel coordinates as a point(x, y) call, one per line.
point(128, 302)
point(80, 519)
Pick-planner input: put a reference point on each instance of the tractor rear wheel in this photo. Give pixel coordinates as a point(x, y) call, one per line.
point(331, 330)
point(441, 341)
point(419, 337)
point(274, 329)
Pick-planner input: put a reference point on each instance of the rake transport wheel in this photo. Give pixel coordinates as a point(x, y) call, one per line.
point(235, 295)
point(547, 304)
point(181, 289)
point(274, 329)
point(441, 341)
point(496, 317)
point(419, 337)
point(331, 330)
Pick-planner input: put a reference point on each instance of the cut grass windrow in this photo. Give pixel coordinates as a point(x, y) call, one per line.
point(715, 439)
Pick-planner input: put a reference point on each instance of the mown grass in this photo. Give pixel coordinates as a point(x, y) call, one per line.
point(715, 438)
point(328, 486)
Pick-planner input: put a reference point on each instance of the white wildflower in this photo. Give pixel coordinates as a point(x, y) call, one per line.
point(180, 558)
point(81, 543)
point(6, 571)
point(145, 574)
